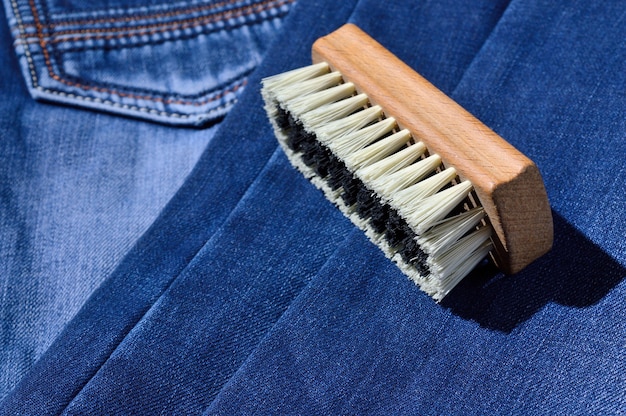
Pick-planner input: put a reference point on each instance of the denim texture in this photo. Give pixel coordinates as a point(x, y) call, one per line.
point(180, 63)
point(77, 189)
point(251, 294)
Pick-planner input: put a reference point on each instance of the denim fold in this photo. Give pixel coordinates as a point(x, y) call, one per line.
point(251, 294)
point(534, 343)
point(201, 205)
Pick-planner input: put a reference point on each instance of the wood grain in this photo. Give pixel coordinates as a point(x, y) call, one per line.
point(507, 183)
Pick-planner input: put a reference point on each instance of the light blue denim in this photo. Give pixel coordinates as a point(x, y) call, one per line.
point(179, 63)
point(79, 187)
point(251, 294)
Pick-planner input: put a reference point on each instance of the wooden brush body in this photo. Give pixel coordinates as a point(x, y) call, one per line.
point(507, 183)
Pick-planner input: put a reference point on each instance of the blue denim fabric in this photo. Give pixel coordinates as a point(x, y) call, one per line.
point(78, 188)
point(250, 294)
point(179, 63)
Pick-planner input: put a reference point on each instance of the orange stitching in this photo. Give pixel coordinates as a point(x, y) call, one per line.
point(27, 39)
point(134, 18)
point(161, 27)
point(53, 75)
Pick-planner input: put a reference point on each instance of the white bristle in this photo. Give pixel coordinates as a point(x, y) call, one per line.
point(438, 288)
point(462, 257)
point(389, 185)
point(406, 200)
point(354, 131)
point(434, 208)
point(300, 105)
point(323, 115)
point(299, 89)
point(445, 233)
point(347, 125)
point(377, 151)
point(295, 75)
point(469, 263)
point(346, 145)
point(391, 163)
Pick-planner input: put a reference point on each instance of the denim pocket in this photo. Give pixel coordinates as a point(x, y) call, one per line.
point(182, 63)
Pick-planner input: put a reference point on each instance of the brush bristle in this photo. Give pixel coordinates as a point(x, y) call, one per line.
point(415, 209)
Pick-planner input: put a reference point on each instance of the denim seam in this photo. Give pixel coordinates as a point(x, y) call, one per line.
point(87, 86)
point(132, 15)
point(46, 55)
point(34, 38)
point(252, 11)
point(78, 44)
point(137, 41)
point(35, 81)
point(175, 278)
point(197, 99)
point(102, 14)
point(147, 29)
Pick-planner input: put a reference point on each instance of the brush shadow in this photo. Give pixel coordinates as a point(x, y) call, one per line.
point(574, 273)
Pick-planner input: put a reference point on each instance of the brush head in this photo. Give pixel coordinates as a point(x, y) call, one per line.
point(433, 187)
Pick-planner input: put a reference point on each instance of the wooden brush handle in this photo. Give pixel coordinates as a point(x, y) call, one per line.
point(507, 183)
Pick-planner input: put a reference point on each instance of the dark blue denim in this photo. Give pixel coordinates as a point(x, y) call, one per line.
point(251, 294)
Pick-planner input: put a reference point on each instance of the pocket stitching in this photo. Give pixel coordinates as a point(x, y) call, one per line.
point(170, 27)
point(249, 10)
point(44, 45)
point(154, 15)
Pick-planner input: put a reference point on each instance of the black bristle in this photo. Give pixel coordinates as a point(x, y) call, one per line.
point(366, 201)
point(322, 160)
point(412, 253)
point(350, 188)
point(296, 139)
point(370, 207)
point(396, 228)
point(282, 118)
point(309, 152)
point(314, 154)
point(336, 169)
point(297, 135)
point(379, 216)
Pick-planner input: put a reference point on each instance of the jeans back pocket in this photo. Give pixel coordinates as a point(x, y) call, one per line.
point(181, 63)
